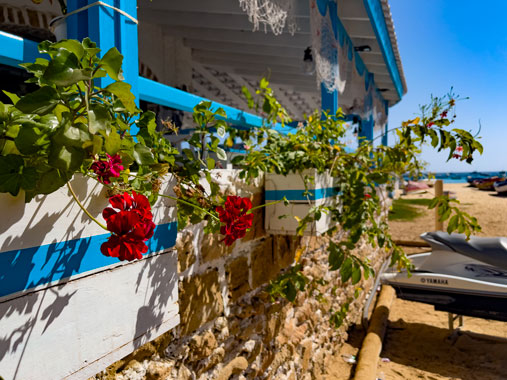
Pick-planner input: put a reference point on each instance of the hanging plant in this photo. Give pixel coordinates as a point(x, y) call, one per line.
point(319, 144)
point(69, 125)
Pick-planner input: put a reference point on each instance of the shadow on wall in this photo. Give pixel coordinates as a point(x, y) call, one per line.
point(31, 264)
point(161, 277)
point(34, 278)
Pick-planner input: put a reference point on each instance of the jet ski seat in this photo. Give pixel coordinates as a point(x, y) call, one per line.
point(490, 250)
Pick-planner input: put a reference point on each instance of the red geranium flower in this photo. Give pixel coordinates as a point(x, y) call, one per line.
point(236, 221)
point(130, 227)
point(367, 196)
point(459, 149)
point(106, 169)
point(443, 114)
point(430, 124)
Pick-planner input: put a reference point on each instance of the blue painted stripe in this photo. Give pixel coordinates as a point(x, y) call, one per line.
point(16, 50)
point(299, 195)
point(378, 23)
point(159, 93)
point(30, 267)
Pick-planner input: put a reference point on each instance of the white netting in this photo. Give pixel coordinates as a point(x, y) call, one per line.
point(275, 14)
point(336, 67)
point(325, 50)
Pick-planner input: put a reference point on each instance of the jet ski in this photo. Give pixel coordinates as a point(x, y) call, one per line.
point(458, 276)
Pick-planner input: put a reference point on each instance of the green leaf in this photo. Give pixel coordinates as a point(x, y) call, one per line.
point(72, 135)
point(37, 68)
point(356, 275)
point(100, 119)
point(122, 91)
point(221, 154)
point(44, 46)
point(221, 131)
point(14, 176)
point(49, 180)
point(30, 139)
point(4, 111)
point(346, 270)
point(64, 70)
point(113, 143)
point(211, 163)
point(97, 143)
point(40, 101)
point(248, 97)
point(336, 257)
point(65, 158)
point(111, 62)
point(143, 155)
point(73, 46)
point(453, 224)
point(266, 106)
point(13, 97)
point(434, 202)
point(290, 291)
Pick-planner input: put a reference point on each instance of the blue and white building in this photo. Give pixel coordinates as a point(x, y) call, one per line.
point(317, 54)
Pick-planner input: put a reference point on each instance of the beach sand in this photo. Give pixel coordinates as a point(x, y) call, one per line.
point(489, 208)
point(418, 343)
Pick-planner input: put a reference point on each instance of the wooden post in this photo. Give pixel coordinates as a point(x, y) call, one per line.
point(439, 191)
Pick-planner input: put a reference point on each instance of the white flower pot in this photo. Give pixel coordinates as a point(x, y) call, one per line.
point(64, 304)
point(321, 191)
point(58, 26)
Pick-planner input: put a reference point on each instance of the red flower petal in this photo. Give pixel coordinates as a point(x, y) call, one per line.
point(131, 226)
point(235, 219)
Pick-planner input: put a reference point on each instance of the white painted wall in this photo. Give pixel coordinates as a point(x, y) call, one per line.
point(75, 330)
point(74, 323)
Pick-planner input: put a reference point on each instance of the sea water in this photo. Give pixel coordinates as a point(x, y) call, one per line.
point(461, 177)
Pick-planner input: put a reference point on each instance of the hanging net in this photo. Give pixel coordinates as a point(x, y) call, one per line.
point(272, 14)
point(325, 50)
point(337, 65)
point(339, 68)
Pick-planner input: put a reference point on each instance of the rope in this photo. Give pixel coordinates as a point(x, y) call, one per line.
point(100, 3)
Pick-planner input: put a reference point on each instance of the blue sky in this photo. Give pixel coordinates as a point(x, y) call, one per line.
point(460, 44)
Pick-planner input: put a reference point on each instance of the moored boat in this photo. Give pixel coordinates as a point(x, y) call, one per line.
point(501, 187)
point(486, 183)
point(413, 187)
point(476, 177)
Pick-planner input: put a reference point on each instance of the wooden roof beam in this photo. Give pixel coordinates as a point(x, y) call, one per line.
point(243, 37)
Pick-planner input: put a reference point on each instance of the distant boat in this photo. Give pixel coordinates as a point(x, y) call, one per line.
point(413, 187)
point(486, 183)
point(429, 182)
point(477, 177)
point(501, 187)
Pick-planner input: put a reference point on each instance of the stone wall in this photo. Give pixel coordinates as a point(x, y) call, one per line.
point(229, 326)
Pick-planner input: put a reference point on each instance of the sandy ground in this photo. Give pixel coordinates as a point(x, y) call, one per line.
point(418, 343)
point(489, 208)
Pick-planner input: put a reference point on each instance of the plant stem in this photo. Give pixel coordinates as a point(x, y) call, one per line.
point(189, 204)
point(83, 208)
point(87, 103)
point(264, 205)
point(161, 195)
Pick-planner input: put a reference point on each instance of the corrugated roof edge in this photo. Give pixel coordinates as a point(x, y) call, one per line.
point(394, 41)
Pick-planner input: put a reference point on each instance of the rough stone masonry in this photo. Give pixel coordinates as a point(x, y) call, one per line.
point(230, 329)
